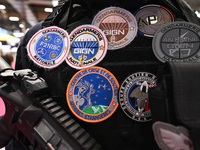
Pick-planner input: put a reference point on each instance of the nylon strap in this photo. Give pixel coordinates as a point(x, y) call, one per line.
point(56, 15)
point(186, 97)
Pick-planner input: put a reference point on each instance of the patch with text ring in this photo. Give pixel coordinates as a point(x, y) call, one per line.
point(92, 94)
point(49, 47)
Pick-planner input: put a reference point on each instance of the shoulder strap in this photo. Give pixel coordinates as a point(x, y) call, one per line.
point(188, 12)
point(185, 84)
point(64, 20)
point(55, 16)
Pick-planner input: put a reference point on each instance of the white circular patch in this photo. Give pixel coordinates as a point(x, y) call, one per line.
point(49, 47)
point(88, 47)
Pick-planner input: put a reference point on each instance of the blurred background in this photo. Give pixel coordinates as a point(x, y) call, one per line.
point(17, 16)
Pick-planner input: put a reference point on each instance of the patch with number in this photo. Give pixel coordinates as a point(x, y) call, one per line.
point(119, 26)
point(92, 94)
point(88, 47)
point(170, 137)
point(49, 47)
point(133, 95)
point(151, 17)
point(177, 42)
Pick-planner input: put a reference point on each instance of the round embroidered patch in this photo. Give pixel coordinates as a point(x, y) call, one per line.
point(177, 42)
point(88, 47)
point(133, 95)
point(92, 94)
point(151, 17)
point(49, 47)
point(119, 26)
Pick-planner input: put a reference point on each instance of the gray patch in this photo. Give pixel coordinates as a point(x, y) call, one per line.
point(177, 42)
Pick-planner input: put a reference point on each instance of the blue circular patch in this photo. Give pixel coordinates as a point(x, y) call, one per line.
point(49, 47)
point(92, 94)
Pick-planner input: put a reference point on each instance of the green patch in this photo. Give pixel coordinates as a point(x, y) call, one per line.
point(93, 110)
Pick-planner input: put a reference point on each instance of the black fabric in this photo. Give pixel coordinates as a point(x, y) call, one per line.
point(185, 85)
point(57, 14)
point(177, 97)
point(157, 103)
point(64, 20)
point(195, 132)
point(117, 132)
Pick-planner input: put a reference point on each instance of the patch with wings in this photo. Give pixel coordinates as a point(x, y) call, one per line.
point(169, 137)
point(133, 95)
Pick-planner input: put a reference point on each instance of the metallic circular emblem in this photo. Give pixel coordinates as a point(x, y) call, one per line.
point(88, 47)
point(119, 26)
point(49, 47)
point(133, 95)
point(177, 42)
point(151, 17)
point(92, 94)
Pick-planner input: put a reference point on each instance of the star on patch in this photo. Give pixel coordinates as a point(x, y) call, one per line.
point(132, 28)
